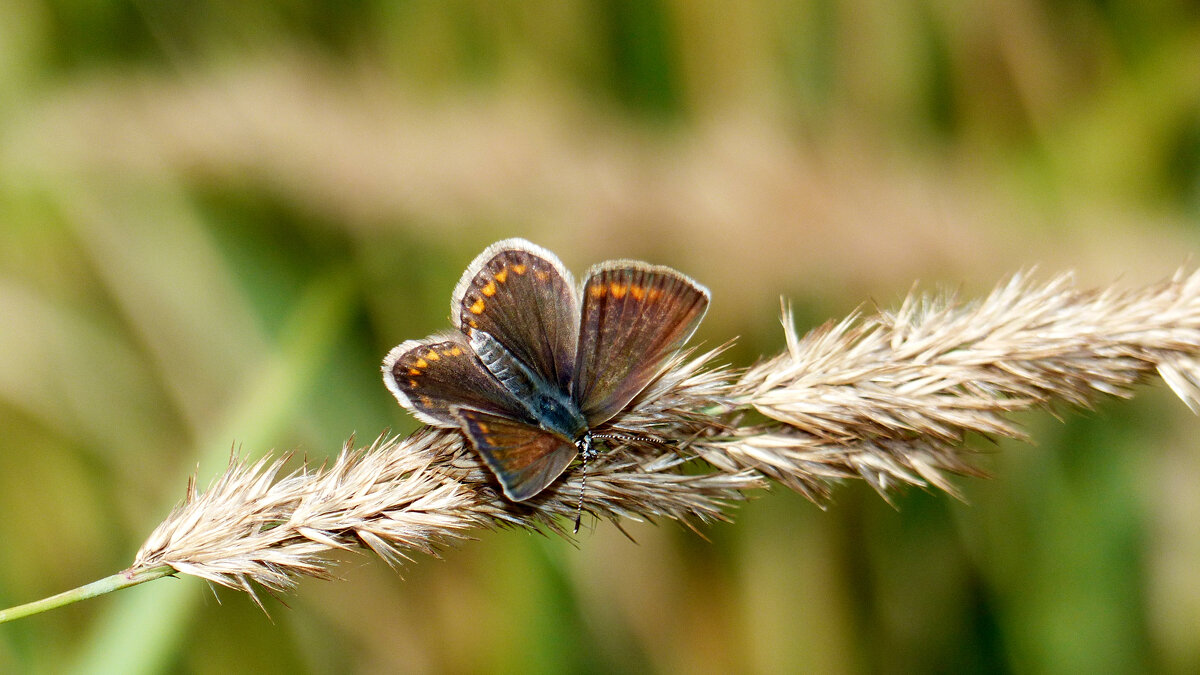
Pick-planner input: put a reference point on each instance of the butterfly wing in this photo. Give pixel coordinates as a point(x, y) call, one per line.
point(635, 316)
point(522, 296)
point(524, 458)
point(433, 376)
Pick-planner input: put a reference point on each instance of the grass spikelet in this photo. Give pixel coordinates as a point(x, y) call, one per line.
point(889, 398)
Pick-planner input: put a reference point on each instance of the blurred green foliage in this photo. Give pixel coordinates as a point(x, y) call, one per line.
point(217, 216)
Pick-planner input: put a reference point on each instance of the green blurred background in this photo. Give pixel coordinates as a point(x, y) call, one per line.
point(216, 217)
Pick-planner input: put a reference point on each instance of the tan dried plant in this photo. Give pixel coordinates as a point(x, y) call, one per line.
point(890, 398)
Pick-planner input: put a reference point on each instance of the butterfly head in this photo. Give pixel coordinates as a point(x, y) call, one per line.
point(586, 446)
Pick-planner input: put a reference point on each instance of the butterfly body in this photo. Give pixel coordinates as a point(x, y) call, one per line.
point(547, 404)
point(537, 365)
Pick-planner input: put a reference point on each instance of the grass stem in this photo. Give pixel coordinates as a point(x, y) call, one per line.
point(108, 584)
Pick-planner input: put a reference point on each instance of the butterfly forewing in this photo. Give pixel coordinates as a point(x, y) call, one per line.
point(431, 377)
point(522, 296)
point(635, 316)
point(523, 458)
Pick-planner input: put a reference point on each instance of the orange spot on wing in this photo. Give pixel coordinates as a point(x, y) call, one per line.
point(426, 401)
point(502, 275)
point(541, 276)
point(490, 289)
point(598, 291)
point(456, 351)
point(637, 292)
point(483, 428)
point(655, 294)
point(422, 363)
point(477, 307)
point(432, 355)
point(413, 384)
point(473, 323)
point(413, 371)
point(618, 290)
point(519, 269)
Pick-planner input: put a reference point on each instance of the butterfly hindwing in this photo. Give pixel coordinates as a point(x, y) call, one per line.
point(524, 458)
point(635, 316)
point(522, 296)
point(430, 377)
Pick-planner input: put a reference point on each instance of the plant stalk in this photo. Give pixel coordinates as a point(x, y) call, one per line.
point(106, 585)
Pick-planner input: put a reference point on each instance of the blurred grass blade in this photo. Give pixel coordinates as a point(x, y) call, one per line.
point(140, 631)
point(176, 289)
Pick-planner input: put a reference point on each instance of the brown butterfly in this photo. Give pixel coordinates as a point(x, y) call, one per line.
point(529, 374)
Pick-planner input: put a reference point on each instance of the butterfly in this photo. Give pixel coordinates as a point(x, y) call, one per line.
point(536, 364)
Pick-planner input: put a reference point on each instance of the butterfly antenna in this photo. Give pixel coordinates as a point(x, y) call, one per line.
point(582, 485)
